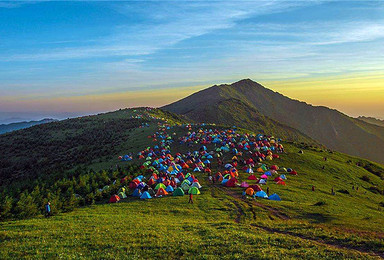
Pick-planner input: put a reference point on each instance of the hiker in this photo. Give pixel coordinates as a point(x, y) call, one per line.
point(190, 198)
point(357, 188)
point(268, 191)
point(323, 167)
point(48, 209)
point(313, 188)
point(333, 191)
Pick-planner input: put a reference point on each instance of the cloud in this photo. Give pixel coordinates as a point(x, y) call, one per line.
point(164, 26)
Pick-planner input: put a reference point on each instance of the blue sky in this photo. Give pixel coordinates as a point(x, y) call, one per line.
point(58, 52)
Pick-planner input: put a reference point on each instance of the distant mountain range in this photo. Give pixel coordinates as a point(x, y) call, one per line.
point(372, 120)
point(5, 128)
point(250, 105)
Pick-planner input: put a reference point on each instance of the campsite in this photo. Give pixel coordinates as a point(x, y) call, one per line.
point(149, 213)
point(194, 129)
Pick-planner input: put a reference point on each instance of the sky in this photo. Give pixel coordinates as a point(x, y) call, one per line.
point(61, 59)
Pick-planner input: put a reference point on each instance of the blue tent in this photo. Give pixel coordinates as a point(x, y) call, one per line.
point(136, 193)
point(274, 196)
point(283, 176)
point(268, 173)
point(262, 194)
point(169, 188)
point(224, 181)
point(145, 196)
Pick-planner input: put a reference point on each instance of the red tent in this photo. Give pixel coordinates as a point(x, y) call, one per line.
point(114, 199)
point(255, 187)
point(231, 182)
point(277, 179)
point(281, 183)
point(252, 177)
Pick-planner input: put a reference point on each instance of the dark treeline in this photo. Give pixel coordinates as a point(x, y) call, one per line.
point(81, 187)
point(60, 146)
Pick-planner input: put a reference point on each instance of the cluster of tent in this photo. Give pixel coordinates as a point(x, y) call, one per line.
point(168, 173)
point(171, 173)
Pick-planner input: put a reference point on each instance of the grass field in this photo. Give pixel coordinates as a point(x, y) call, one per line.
point(220, 224)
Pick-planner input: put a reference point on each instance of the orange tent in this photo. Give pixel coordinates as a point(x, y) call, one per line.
point(249, 191)
point(161, 192)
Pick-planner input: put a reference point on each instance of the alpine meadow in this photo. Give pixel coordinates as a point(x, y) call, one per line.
point(192, 129)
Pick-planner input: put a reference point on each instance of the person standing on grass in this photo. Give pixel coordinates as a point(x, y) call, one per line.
point(48, 209)
point(190, 198)
point(313, 188)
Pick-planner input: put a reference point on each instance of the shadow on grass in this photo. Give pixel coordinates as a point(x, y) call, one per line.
point(317, 217)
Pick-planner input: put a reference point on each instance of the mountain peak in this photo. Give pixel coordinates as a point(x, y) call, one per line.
point(246, 83)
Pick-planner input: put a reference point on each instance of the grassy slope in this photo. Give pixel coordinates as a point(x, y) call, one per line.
point(219, 223)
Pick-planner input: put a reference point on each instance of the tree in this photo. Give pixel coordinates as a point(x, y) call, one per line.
point(26, 206)
point(6, 208)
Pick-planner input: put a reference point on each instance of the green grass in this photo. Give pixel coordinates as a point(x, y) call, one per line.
point(219, 224)
point(166, 227)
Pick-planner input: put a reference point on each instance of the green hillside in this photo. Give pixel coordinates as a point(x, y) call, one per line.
point(329, 127)
point(306, 223)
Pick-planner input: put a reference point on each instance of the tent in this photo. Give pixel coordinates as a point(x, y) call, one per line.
point(161, 192)
point(244, 184)
point(252, 177)
point(255, 187)
point(281, 183)
point(231, 182)
point(194, 191)
point(145, 195)
point(114, 199)
point(185, 186)
point(122, 195)
point(264, 176)
point(160, 185)
point(136, 193)
point(196, 184)
point(261, 194)
point(178, 192)
point(283, 177)
point(249, 191)
point(169, 188)
point(262, 181)
point(274, 196)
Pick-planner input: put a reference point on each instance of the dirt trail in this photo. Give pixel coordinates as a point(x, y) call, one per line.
point(277, 213)
point(319, 241)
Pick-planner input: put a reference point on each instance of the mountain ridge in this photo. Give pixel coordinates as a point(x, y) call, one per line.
point(327, 126)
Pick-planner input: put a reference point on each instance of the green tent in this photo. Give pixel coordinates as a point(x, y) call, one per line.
point(178, 192)
point(160, 185)
point(184, 186)
point(122, 195)
point(194, 191)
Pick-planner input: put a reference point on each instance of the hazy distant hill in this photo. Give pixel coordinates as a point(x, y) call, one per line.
point(5, 128)
point(372, 120)
point(328, 126)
